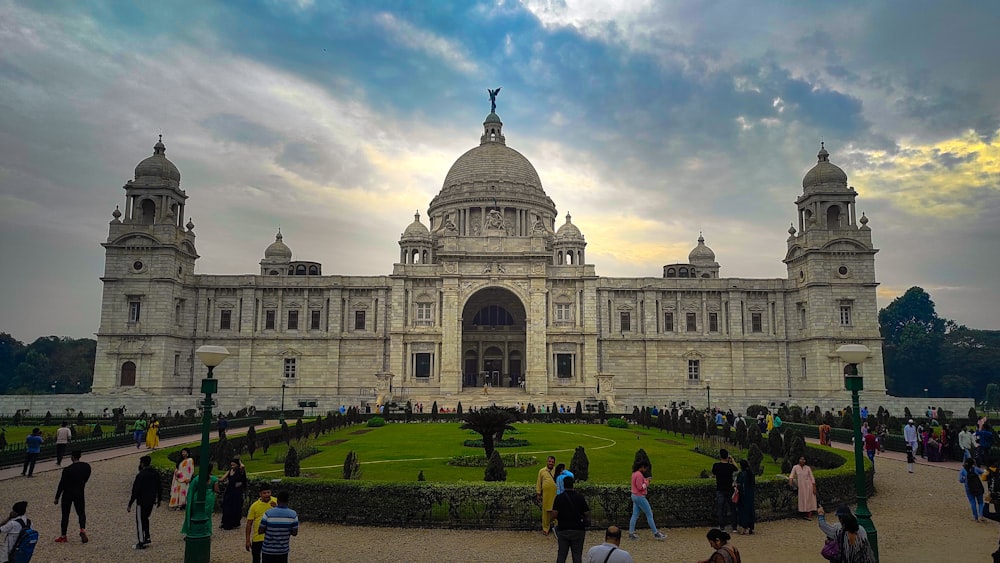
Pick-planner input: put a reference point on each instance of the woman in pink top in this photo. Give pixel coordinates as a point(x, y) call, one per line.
point(640, 485)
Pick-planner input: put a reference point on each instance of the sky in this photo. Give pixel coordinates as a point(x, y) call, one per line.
point(649, 121)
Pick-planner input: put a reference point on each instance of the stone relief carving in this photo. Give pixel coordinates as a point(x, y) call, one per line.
point(494, 220)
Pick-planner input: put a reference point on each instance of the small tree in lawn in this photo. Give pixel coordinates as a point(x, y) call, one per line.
point(97, 432)
point(580, 465)
point(299, 432)
point(265, 443)
point(741, 432)
point(973, 416)
point(494, 468)
point(796, 449)
point(286, 435)
point(292, 468)
point(641, 458)
point(490, 423)
point(775, 445)
point(318, 426)
point(675, 421)
point(47, 421)
point(458, 409)
point(434, 411)
point(601, 411)
point(251, 441)
point(352, 467)
point(579, 410)
point(420, 476)
point(755, 458)
point(79, 417)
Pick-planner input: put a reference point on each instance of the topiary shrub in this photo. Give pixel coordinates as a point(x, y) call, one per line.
point(755, 457)
point(741, 433)
point(96, 432)
point(775, 445)
point(795, 413)
point(754, 410)
point(47, 421)
point(251, 441)
point(580, 465)
point(292, 468)
point(420, 476)
point(458, 409)
point(375, 422)
point(494, 469)
point(79, 417)
point(617, 423)
point(796, 449)
point(352, 467)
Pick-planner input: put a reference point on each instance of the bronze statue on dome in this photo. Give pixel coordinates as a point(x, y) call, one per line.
point(493, 98)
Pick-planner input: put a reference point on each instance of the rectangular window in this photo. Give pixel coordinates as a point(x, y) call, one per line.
point(564, 364)
point(845, 315)
point(626, 321)
point(290, 368)
point(692, 322)
point(804, 364)
point(802, 316)
point(564, 312)
point(314, 318)
point(694, 370)
point(293, 320)
point(756, 322)
point(134, 307)
point(178, 311)
point(269, 319)
point(359, 320)
point(177, 364)
point(668, 322)
point(225, 319)
point(424, 313)
point(422, 364)
point(713, 322)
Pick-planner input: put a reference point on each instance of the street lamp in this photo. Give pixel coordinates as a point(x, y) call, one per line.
point(198, 544)
point(852, 355)
point(708, 390)
point(281, 415)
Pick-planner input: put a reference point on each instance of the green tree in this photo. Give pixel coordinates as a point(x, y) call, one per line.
point(775, 445)
point(495, 470)
point(993, 396)
point(490, 423)
point(352, 467)
point(292, 468)
point(754, 458)
point(913, 334)
point(580, 464)
point(251, 441)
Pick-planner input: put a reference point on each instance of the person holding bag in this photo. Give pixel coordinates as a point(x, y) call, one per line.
point(847, 542)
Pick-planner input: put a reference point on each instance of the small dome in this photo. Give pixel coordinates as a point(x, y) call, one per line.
point(277, 251)
point(493, 118)
point(158, 166)
point(824, 173)
point(701, 253)
point(569, 230)
point(416, 229)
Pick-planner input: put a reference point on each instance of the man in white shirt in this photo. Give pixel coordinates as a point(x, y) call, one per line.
point(910, 436)
point(63, 436)
point(609, 552)
point(965, 441)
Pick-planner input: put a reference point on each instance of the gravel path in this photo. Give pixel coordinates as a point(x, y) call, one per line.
point(920, 517)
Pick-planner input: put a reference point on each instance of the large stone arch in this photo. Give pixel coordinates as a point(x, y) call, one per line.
point(494, 337)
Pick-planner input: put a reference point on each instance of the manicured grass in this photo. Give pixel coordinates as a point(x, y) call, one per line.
point(398, 452)
point(17, 434)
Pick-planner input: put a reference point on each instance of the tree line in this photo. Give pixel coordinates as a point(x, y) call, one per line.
point(927, 355)
point(50, 364)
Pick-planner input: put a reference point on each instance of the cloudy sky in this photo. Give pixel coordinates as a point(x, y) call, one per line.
point(648, 121)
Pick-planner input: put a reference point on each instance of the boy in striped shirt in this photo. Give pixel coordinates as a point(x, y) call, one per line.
point(278, 525)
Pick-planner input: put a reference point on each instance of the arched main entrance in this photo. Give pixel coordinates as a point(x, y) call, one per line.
point(493, 339)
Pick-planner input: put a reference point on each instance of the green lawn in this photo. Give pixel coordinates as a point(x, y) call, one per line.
point(398, 452)
point(17, 434)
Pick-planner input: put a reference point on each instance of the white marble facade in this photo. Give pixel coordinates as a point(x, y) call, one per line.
point(493, 288)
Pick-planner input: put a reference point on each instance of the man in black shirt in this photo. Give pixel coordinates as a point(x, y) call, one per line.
point(147, 491)
point(74, 480)
point(724, 469)
point(572, 512)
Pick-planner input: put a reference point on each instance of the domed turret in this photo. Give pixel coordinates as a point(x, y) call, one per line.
point(701, 254)
point(157, 167)
point(277, 252)
point(416, 230)
point(825, 174)
point(569, 231)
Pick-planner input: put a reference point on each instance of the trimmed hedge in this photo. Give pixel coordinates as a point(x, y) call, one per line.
point(513, 506)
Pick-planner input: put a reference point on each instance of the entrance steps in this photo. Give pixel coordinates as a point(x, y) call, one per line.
point(499, 396)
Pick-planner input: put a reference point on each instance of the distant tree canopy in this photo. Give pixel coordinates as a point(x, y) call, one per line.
point(924, 351)
point(50, 364)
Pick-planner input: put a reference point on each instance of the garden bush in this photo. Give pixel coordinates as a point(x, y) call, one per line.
point(494, 469)
point(509, 460)
point(292, 468)
point(352, 467)
point(580, 465)
point(376, 422)
point(617, 423)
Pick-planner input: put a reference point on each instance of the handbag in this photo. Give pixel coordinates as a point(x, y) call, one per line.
point(831, 550)
point(736, 496)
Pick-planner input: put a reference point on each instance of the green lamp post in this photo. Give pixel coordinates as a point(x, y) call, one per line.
point(198, 543)
point(852, 355)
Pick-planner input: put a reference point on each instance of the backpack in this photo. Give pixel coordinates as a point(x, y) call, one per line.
point(974, 483)
point(24, 545)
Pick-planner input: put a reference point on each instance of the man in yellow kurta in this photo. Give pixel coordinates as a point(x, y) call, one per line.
point(545, 488)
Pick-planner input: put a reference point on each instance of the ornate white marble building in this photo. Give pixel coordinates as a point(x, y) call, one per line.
point(493, 288)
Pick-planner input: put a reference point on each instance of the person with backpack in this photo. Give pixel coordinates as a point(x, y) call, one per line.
point(969, 475)
point(19, 539)
point(572, 513)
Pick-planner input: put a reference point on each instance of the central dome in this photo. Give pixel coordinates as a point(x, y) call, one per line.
point(490, 163)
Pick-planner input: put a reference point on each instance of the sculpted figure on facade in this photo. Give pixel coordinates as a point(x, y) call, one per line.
point(494, 220)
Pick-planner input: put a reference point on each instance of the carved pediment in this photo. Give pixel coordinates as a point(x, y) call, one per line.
point(424, 297)
point(757, 308)
point(693, 355)
point(290, 353)
point(226, 305)
point(625, 307)
point(361, 305)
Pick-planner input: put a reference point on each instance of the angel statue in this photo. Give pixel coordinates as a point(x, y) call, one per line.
point(493, 98)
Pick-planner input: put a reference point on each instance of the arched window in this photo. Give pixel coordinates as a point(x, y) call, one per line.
point(833, 217)
point(706, 275)
point(300, 270)
point(671, 273)
point(569, 257)
point(148, 209)
point(559, 258)
point(128, 374)
point(415, 257)
point(314, 270)
point(423, 257)
point(291, 270)
point(493, 315)
point(682, 272)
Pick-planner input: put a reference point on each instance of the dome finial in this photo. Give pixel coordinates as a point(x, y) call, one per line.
point(416, 215)
point(822, 155)
point(863, 220)
point(568, 217)
point(701, 238)
point(791, 229)
point(278, 236)
point(159, 147)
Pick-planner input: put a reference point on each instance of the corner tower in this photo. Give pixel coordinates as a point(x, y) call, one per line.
point(149, 253)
